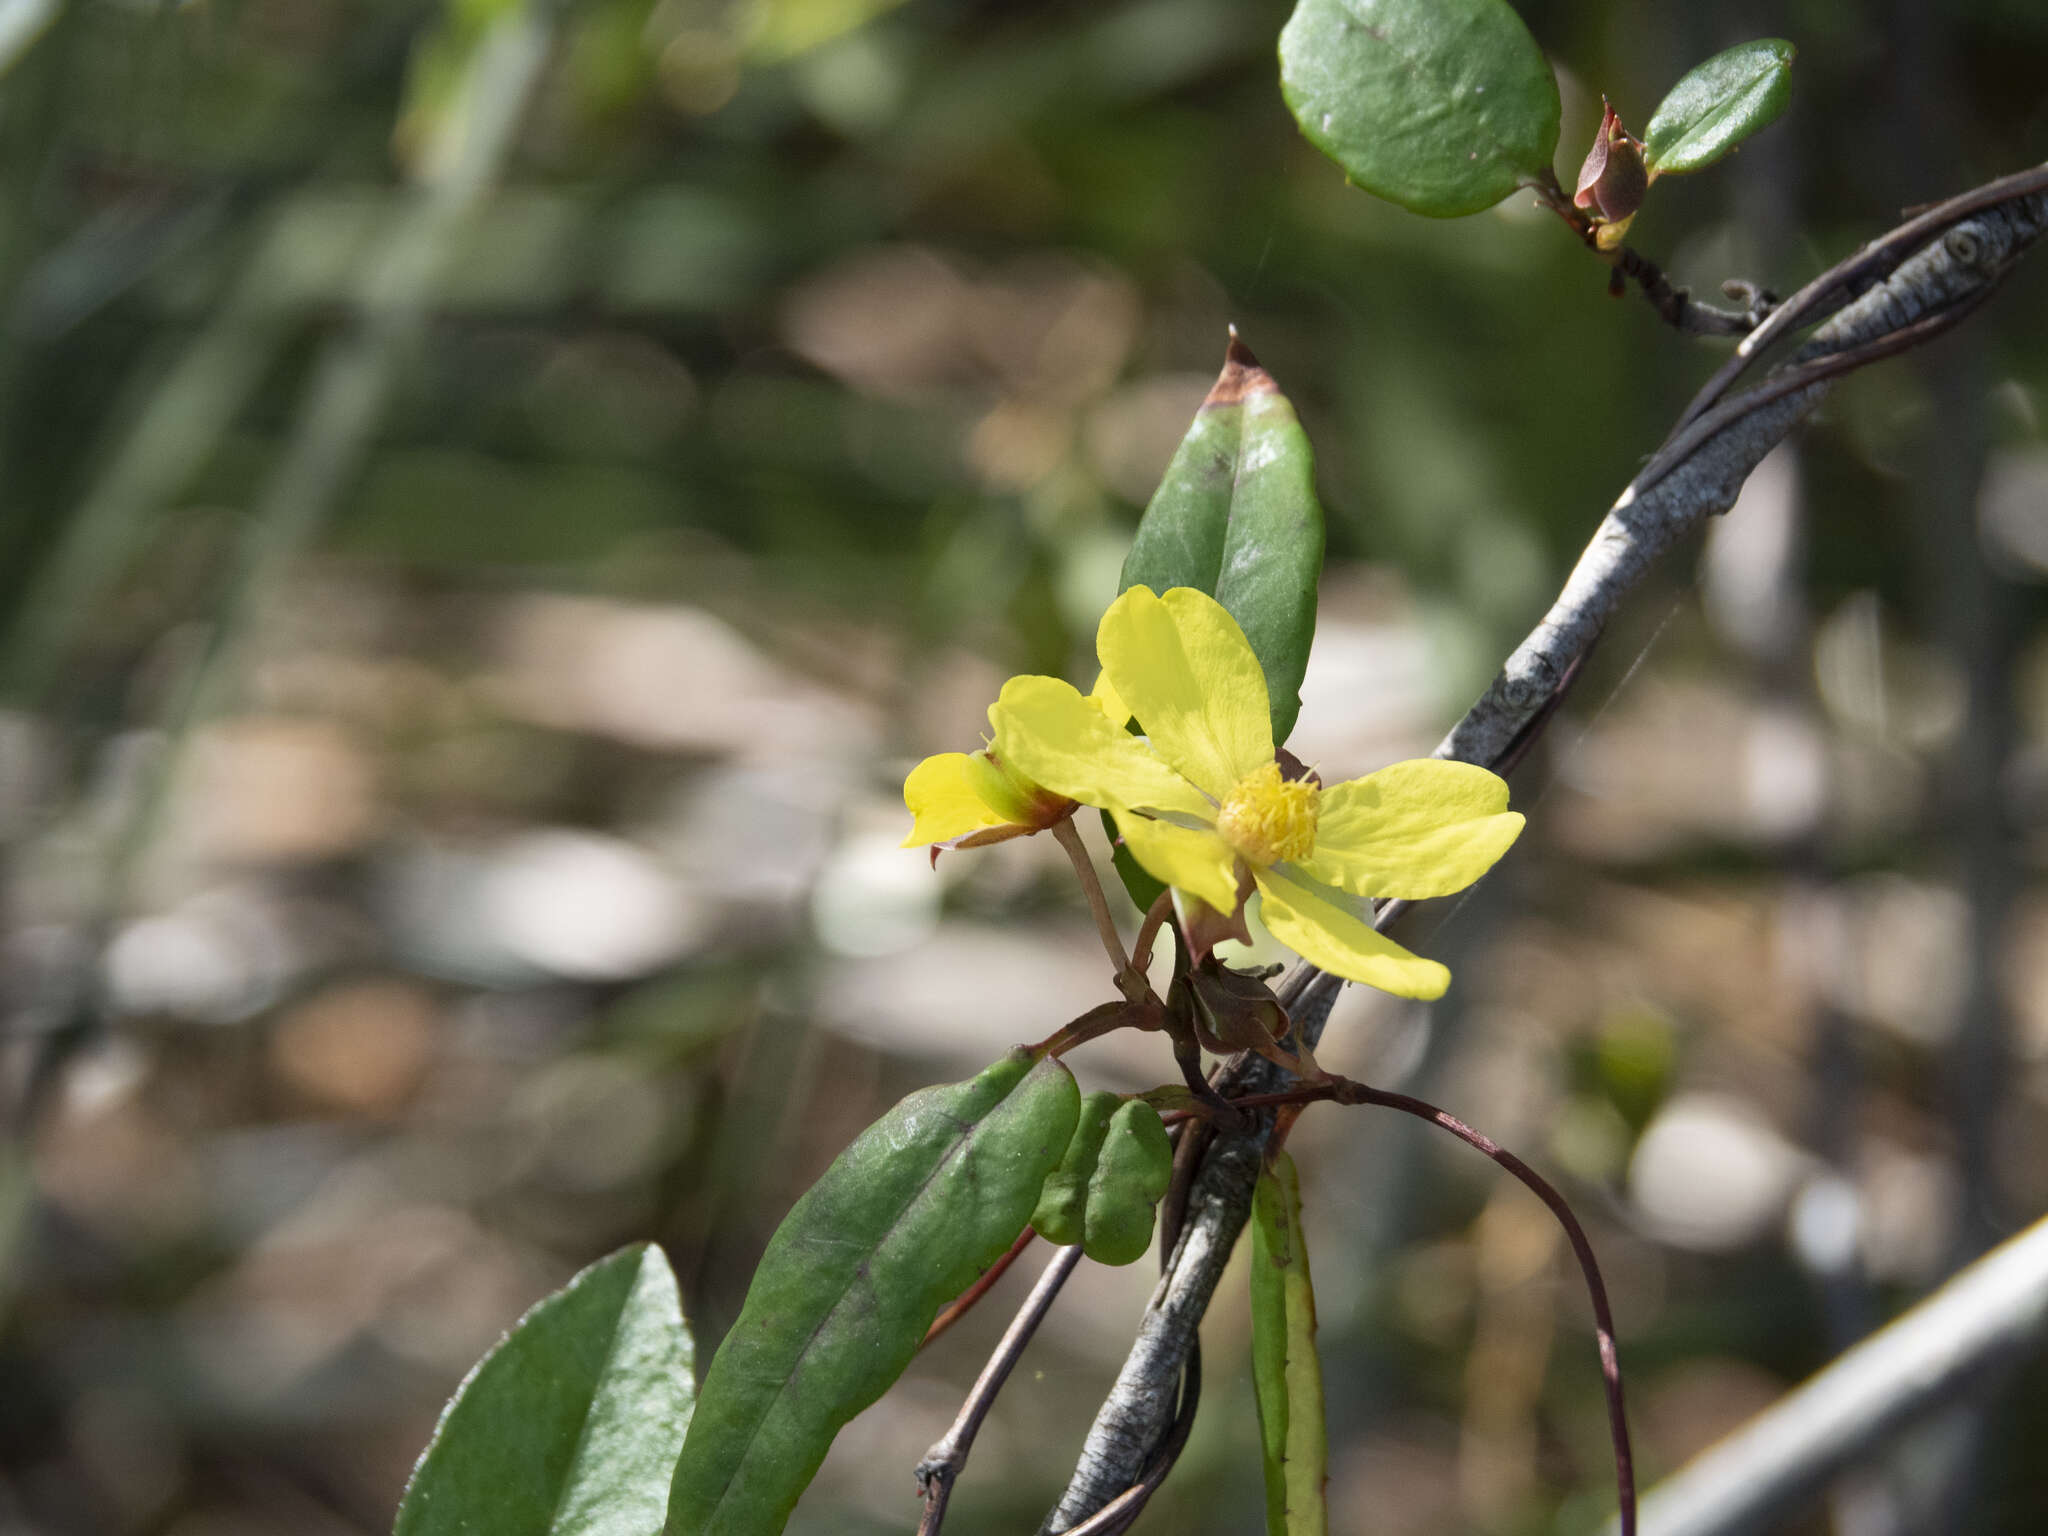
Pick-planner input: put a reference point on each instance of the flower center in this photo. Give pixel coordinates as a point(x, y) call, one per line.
point(1269, 819)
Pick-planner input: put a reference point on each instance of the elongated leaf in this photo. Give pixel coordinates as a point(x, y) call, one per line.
point(923, 1201)
point(1442, 106)
point(1718, 105)
point(1285, 1372)
point(572, 1422)
point(1237, 517)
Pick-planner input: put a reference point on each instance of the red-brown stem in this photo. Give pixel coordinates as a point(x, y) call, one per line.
point(1283, 1122)
point(1155, 917)
point(1098, 905)
point(964, 1303)
point(1099, 1021)
point(1552, 195)
point(1596, 1288)
point(1345, 1091)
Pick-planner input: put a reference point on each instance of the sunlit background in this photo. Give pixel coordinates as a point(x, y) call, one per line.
point(495, 500)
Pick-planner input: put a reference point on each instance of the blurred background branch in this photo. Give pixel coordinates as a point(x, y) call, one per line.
point(1972, 1331)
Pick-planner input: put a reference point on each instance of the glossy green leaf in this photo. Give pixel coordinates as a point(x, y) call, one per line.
point(572, 1422)
point(1287, 1377)
point(1171, 1097)
point(1061, 1215)
point(908, 1216)
point(1718, 105)
point(1132, 1170)
point(1237, 517)
point(1442, 106)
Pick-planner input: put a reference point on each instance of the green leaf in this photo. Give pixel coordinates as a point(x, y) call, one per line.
point(1103, 1195)
point(1718, 105)
point(1061, 1215)
point(1237, 517)
point(1132, 1171)
point(1286, 1376)
point(1442, 106)
point(923, 1201)
point(572, 1422)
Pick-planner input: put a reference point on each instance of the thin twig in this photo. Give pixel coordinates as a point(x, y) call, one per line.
point(1148, 931)
point(1679, 309)
point(1343, 1090)
point(1064, 834)
point(1675, 306)
point(943, 1462)
point(965, 1302)
point(1804, 376)
point(1596, 1289)
point(1837, 285)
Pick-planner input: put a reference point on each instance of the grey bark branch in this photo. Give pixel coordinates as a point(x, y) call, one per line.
point(1962, 1334)
point(1956, 267)
point(1952, 270)
point(1135, 1415)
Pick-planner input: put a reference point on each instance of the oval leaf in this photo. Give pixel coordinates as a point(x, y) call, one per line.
point(1237, 517)
point(572, 1422)
point(923, 1201)
point(1286, 1375)
point(1442, 106)
point(1132, 1172)
point(1061, 1215)
point(1718, 105)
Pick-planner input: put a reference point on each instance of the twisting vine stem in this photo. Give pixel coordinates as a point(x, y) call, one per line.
point(1345, 1091)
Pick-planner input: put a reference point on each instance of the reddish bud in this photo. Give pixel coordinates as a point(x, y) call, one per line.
point(1613, 179)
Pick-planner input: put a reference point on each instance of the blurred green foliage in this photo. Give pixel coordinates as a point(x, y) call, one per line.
point(803, 367)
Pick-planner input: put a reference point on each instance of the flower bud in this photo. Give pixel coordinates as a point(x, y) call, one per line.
point(1233, 1010)
point(1613, 179)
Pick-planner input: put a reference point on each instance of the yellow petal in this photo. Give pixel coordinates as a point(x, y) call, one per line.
point(940, 793)
point(1049, 732)
point(1327, 927)
point(1413, 830)
point(1187, 672)
point(1192, 859)
point(1104, 694)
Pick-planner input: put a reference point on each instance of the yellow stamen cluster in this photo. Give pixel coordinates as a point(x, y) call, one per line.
point(1269, 819)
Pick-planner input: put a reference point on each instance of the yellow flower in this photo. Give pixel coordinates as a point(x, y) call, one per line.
point(1202, 804)
point(971, 799)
